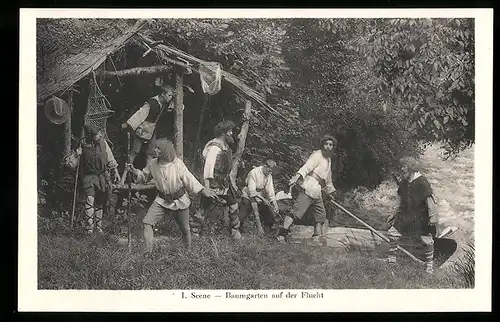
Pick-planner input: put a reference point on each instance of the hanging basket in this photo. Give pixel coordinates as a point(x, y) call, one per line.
point(210, 76)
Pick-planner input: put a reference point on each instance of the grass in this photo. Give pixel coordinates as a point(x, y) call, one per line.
point(255, 263)
point(218, 263)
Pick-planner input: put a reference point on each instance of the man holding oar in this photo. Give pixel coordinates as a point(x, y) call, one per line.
point(258, 194)
point(417, 217)
point(316, 179)
point(173, 181)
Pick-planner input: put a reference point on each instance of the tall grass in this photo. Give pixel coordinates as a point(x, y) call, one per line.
point(465, 266)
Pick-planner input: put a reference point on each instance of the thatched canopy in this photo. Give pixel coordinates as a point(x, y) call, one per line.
point(69, 49)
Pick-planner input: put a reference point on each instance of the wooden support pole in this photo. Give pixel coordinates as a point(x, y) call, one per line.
point(137, 71)
point(241, 142)
point(179, 111)
point(67, 127)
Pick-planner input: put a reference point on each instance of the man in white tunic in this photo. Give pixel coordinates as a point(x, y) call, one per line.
point(258, 194)
point(316, 179)
point(173, 181)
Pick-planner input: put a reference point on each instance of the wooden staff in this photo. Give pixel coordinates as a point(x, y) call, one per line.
point(129, 205)
point(376, 232)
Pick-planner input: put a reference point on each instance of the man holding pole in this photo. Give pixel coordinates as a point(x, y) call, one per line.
point(417, 217)
point(173, 181)
point(97, 161)
point(316, 179)
point(258, 194)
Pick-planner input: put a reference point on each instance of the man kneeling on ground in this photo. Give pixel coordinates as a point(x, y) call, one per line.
point(173, 180)
point(417, 217)
point(258, 195)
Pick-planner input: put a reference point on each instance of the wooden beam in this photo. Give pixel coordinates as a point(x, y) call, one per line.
point(179, 113)
point(241, 142)
point(137, 71)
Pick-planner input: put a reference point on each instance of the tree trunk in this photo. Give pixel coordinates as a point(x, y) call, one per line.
point(241, 142)
point(137, 71)
point(179, 107)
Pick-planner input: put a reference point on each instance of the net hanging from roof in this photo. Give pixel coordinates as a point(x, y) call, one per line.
point(97, 111)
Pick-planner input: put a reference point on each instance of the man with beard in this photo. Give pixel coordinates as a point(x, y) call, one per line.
point(96, 162)
point(417, 218)
point(218, 161)
point(143, 122)
point(173, 181)
point(316, 178)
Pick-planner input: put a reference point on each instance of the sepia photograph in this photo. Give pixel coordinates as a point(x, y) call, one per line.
point(256, 158)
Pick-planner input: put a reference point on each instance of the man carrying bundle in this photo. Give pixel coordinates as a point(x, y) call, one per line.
point(316, 179)
point(417, 217)
point(258, 195)
point(173, 181)
point(218, 161)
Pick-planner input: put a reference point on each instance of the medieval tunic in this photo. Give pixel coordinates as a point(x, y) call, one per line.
point(173, 182)
point(413, 214)
point(412, 221)
point(96, 159)
point(317, 176)
point(257, 184)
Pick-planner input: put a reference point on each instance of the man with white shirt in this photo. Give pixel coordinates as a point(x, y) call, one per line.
point(417, 217)
point(218, 162)
point(316, 179)
point(258, 194)
point(173, 182)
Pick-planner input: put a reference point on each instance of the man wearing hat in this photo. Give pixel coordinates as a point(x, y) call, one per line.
point(173, 181)
point(143, 122)
point(315, 179)
point(417, 216)
point(218, 162)
point(96, 162)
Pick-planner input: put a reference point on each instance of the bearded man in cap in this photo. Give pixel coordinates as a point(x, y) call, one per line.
point(417, 216)
point(315, 179)
point(173, 181)
point(96, 163)
point(218, 162)
point(143, 122)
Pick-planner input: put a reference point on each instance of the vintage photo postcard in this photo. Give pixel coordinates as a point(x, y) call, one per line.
point(224, 160)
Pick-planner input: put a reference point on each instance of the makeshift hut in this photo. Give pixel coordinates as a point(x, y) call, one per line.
point(81, 61)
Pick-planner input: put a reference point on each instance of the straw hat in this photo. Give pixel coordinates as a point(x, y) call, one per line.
point(57, 110)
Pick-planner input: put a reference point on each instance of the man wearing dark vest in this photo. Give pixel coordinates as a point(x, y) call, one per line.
point(218, 161)
point(143, 122)
point(416, 219)
point(96, 162)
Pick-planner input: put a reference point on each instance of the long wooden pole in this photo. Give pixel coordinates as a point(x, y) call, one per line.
point(129, 230)
point(179, 113)
point(241, 142)
point(375, 231)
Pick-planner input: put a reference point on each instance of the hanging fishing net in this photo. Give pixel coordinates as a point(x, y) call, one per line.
point(97, 111)
point(210, 76)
